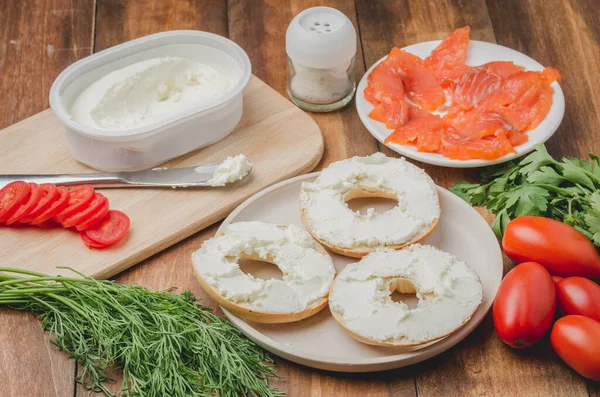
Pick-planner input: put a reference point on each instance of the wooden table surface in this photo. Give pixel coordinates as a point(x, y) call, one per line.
point(39, 38)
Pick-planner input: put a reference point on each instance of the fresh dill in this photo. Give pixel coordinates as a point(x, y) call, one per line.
point(167, 344)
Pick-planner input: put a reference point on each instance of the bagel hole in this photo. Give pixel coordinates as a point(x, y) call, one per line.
point(379, 204)
point(260, 269)
point(403, 290)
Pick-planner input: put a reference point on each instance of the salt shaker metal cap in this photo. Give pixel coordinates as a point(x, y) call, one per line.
point(320, 44)
point(320, 38)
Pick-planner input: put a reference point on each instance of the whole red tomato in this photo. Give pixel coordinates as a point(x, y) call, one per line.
point(578, 295)
point(576, 339)
point(525, 305)
point(560, 248)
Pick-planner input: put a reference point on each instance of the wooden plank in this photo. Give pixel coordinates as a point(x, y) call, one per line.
point(481, 364)
point(38, 38)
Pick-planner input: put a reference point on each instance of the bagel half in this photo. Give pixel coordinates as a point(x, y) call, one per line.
point(403, 271)
point(327, 217)
point(246, 311)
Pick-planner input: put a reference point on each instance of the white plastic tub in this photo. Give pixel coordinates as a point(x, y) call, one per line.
point(148, 146)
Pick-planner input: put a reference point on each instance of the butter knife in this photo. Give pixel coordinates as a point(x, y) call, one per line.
point(156, 177)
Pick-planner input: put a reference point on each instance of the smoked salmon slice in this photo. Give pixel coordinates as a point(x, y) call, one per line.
point(448, 59)
point(420, 84)
point(422, 125)
point(457, 147)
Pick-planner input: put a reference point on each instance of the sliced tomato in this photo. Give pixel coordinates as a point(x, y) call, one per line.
point(35, 194)
point(94, 218)
point(79, 198)
point(81, 216)
point(112, 228)
point(91, 243)
point(57, 206)
point(11, 197)
point(49, 194)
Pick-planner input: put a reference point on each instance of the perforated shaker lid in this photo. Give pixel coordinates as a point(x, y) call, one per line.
point(320, 38)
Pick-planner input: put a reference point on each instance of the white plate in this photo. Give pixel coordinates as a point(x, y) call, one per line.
point(479, 52)
point(318, 341)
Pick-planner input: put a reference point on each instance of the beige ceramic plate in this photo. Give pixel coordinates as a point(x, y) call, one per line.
point(318, 341)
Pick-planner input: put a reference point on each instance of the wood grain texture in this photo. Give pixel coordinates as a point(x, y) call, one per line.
point(561, 33)
point(176, 213)
point(38, 38)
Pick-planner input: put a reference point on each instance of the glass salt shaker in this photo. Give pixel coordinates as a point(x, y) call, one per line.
point(321, 48)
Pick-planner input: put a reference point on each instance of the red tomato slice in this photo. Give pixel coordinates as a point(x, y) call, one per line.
point(49, 194)
point(55, 208)
point(79, 198)
point(81, 216)
point(25, 209)
point(94, 218)
point(111, 229)
point(11, 197)
point(91, 243)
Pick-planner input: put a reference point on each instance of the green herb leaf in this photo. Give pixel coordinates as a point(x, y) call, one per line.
point(574, 173)
point(472, 193)
point(594, 158)
point(535, 160)
point(592, 217)
point(499, 224)
point(505, 170)
point(546, 175)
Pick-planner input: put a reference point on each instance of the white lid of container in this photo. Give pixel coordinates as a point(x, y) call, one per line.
point(320, 38)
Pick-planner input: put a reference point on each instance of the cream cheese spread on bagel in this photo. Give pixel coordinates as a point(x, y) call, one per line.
point(307, 270)
point(449, 292)
point(328, 218)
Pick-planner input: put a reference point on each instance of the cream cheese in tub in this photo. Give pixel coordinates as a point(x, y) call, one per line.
point(149, 100)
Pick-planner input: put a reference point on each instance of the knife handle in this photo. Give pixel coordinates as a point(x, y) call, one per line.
point(97, 180)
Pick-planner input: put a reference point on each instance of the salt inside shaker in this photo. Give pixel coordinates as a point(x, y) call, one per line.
point(321, 47)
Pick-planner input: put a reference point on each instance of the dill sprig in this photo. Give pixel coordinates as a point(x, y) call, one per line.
point(167, 344)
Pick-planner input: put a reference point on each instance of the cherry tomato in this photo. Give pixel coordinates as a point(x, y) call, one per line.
point(34, 198)
point(91, 243)
point(112, 228)
point(560, 248)
point(578, 295)
point(49, 194)
point(55, 207)
point(81, 216)
point(11, 197)
point(79, 198)
point(525, 305)
point(576, 339)
point(94, 218)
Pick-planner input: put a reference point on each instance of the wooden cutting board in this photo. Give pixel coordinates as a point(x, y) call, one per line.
point(279, 139)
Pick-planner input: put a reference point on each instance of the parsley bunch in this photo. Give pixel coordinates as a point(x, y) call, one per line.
point(565, 190)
